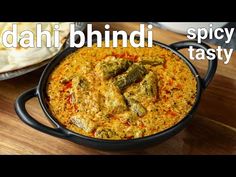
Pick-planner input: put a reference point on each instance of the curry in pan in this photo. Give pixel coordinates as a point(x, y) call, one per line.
point(120, 93)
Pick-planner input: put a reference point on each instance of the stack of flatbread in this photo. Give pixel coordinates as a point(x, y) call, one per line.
point(17, 58)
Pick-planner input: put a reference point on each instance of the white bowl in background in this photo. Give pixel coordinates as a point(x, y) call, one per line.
point(181, 27)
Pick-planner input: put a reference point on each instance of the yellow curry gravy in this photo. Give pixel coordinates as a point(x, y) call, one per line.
point(120, 93)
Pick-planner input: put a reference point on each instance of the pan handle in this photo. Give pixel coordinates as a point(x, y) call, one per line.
point(26, 118)
point(212, 64)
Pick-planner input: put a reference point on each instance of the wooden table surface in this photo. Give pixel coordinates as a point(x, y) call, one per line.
point(212, 130)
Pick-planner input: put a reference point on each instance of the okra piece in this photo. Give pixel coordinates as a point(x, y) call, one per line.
point(111, 67)
point(114, 100)
point(135, 73)
point(104, 133)
point(154, 61)
point(85, 124)
point(136, 107)
point(149, 84)
point(80, 82)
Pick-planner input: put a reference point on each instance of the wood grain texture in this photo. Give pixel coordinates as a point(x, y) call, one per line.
point(212, 130)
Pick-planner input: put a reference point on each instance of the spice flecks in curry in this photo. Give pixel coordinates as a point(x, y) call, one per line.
point(121, 93)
